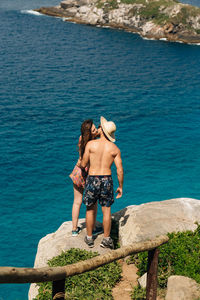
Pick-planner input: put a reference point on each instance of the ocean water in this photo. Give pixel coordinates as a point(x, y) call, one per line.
point(56, 74)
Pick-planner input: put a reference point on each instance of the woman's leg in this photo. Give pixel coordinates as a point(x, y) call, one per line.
point(78, 195)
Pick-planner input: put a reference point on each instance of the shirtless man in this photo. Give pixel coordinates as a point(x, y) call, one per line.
point(101, 154)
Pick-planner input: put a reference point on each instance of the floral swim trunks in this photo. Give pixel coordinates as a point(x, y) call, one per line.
point(99, 187)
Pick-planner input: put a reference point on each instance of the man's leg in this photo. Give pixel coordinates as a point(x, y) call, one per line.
point(107, 241)
point(106, 220)
point(90, 218)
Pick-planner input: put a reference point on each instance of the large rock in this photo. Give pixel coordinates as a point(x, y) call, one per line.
point(68, 4)
point(54, 243)
point(84, 9)
point(182, 288)
point(143, 280)
point(132, 17)
point(146, 221)
point(136, 223)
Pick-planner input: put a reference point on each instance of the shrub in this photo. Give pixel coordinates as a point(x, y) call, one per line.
point(138, 293)
point(180, 256)
point(96, 284)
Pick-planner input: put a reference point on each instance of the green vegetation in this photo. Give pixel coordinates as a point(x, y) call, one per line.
point(138, 293)
point(107, 6)
point(184, 14)
point(155, 11)
point(180, 256)
point(143, 2)
point(152, 11)
point(95, 284)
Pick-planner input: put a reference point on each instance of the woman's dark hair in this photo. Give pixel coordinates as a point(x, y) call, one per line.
point(86, 135)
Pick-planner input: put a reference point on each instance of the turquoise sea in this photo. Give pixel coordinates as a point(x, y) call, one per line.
point(56, 74)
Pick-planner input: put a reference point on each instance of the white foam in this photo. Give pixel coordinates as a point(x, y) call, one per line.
point(148, 39)
point(31, 12)
point(163, 39)
point(65, 19)
point(194, 44)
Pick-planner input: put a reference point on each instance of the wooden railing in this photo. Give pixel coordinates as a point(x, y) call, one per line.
point(58, 274)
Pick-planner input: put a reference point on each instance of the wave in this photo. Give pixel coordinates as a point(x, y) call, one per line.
point(32, 12)
point(194, 44)
point(64, 18)
point(148, 39)
point(166, 40)
point(163, 39)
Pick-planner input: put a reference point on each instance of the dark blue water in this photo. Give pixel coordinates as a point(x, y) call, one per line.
point(56, 74)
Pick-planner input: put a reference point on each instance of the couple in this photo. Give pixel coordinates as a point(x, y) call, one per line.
point(93, 173)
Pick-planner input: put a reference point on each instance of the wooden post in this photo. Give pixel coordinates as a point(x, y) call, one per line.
point(152, 270)
point(58, 290)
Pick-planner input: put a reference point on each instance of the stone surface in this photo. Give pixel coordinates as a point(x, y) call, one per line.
point(54, 243)
point(136, 223)
point(68, 4)
point(143, 281)
point(182, 288)
point(146, 221)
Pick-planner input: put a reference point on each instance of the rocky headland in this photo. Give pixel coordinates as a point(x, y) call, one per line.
point(135, 223)
point(154, 19)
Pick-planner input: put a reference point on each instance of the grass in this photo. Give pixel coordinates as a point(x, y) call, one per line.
point(96, 284)
point(180, 256)
point(153, 10)
point(108, 5)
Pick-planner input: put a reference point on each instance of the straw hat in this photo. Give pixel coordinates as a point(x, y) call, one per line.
point(109, 129)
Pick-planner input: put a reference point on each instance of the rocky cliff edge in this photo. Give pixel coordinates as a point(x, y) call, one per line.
point(136, 223)
point(155, 19)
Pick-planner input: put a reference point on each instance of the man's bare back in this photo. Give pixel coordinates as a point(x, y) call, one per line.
point(102, 153)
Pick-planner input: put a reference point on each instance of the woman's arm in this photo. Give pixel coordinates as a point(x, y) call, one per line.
point(86, 156)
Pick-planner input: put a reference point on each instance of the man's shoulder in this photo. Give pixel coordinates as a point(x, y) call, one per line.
point(91, 143)
point(113, 149)
point(114, 146)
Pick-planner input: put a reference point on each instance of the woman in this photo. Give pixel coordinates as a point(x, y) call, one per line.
point(88, 132)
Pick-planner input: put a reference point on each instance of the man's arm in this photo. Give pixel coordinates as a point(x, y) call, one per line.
point(120, 173)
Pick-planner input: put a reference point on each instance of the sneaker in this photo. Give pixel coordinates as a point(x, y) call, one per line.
point(107, 243)
point(97, 231)
point(76, 232)
point(89, 242)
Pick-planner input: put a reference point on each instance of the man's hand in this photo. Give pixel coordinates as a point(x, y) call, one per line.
point(119, 192)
